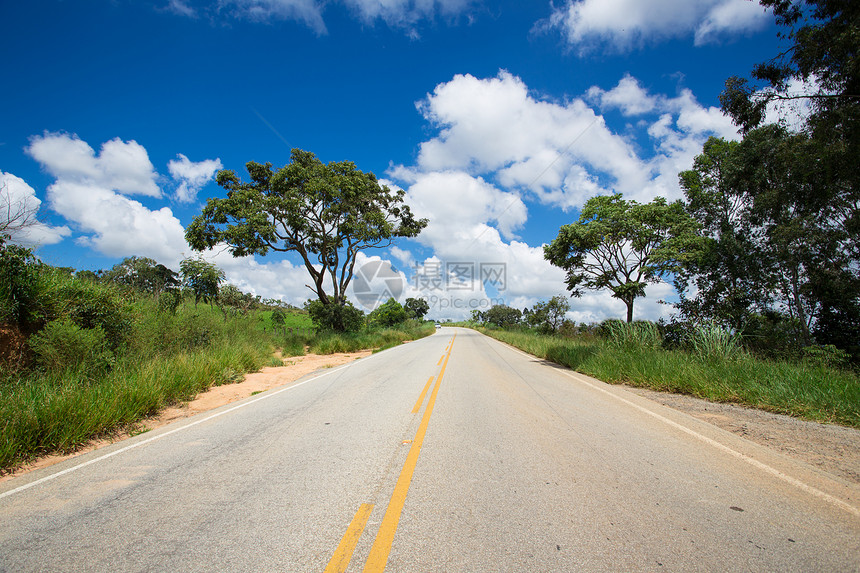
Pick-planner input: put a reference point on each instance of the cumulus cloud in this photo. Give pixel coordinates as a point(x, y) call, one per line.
point(564, 152)
point(19, 208)
point(192, 176)
point(122, 166)
point(625, 24)
point(628, 96)
point(91, 191)
point(499, 146)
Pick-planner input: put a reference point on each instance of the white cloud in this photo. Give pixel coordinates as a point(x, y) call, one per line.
point(499, 146)
point(192, 176)
point(564, 152)
point(625, 24)
point(18, 200)
point(307, 11)
point(122, 166)
point(628, 96)
point(118, 226)
point(90, 192)
point(730, 17)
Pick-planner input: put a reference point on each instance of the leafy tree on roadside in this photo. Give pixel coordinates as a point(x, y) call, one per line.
point(18, 290)
point(502, 315)
point(327, 213)
point(336, 317)
point(388, 313)
point(143, 274)
point(202, 277)
point(622, 246)
point(416, 308)
point(729, 270)
point(548, 316)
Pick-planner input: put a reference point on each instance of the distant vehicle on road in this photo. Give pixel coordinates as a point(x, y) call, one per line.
point(438, 325)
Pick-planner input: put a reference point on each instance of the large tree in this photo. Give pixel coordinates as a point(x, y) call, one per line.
point(812, 209)
point(326, 213)
point(202, 277)
point(142, 274)
point(548, 316)
point(728, 271)
point(622, 246)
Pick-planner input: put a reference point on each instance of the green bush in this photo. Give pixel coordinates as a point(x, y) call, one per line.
point(826, 355)
point(17, 283)
point(169, 301)
point(389, 313)
point(335, 317)
point(64, 346)
point(87, 304)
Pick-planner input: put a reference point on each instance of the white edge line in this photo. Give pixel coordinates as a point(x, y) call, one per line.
point(265, 396)
point(752, 461)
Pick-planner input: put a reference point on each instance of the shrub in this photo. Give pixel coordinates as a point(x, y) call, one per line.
point(87, 304)
point(826, 355)
point(168, 301)
point(335, 317)
point(278, 318)
point(17, 283)
point(63, 345)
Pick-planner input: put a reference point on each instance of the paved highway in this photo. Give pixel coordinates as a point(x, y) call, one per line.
point(452, 453)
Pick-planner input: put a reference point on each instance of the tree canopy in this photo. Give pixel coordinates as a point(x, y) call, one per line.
point(548, 316)
point(326, 213)
point(202, 277)
point(622, 246)
point(142, 274)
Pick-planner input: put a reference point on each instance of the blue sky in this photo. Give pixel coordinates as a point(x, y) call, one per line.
point(499, 119)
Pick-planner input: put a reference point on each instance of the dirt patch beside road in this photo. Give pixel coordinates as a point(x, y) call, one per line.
point(834, 449)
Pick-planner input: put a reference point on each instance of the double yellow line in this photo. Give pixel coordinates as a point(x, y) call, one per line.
point(378, 557)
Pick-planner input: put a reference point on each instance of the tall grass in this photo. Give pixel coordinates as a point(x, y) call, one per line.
point(162, 359)
point(813, 391)
point(715, 342)
point(57, 411)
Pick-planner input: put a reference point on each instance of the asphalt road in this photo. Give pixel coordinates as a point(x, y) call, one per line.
point(452, 453)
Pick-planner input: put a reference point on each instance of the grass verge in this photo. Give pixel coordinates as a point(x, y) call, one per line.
point(167, 360)
point(811, 391)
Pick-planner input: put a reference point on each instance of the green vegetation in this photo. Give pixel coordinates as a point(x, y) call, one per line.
point(622, 246)
point(711, 366)
point(95, 353)
point(326, 213)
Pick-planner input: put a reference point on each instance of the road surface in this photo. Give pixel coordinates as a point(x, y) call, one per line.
point(452, 453)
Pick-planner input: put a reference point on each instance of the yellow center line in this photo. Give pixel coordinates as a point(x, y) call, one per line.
point(440, 360)
point(378, 558)
point(421, 397)
point(343, 553)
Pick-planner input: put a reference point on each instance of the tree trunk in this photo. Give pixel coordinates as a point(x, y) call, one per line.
point(629, 304)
